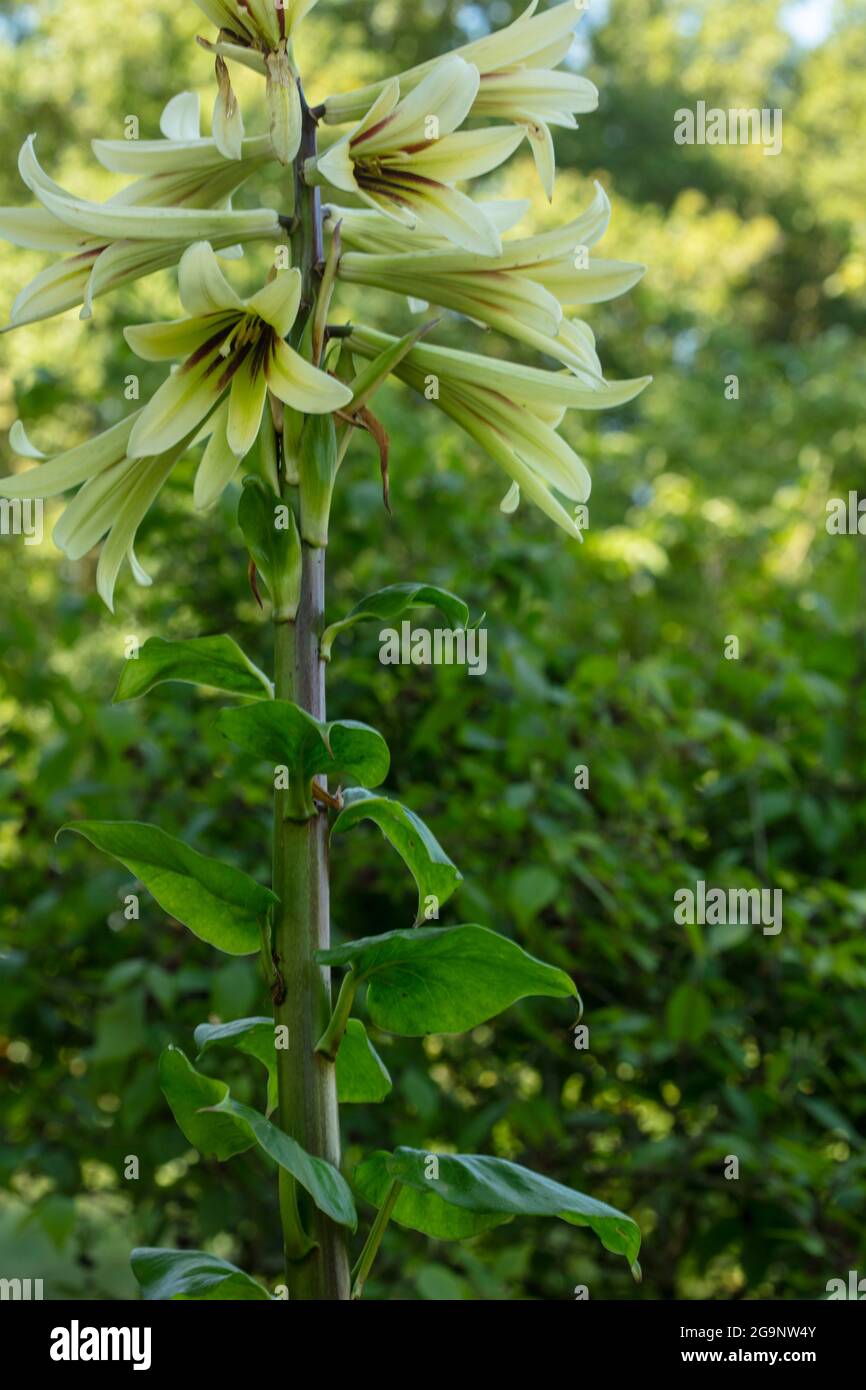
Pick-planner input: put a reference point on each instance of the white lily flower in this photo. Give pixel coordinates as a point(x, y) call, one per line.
point(517, 83)
point(184, 187)
point(228, 345)
point(522, 292)
point(404, 157)
point(115, 492)
point(532, 41)
point(186, 202)
point(512, 411)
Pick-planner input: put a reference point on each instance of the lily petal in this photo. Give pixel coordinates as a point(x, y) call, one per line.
point(246, 403)
point(167, 342)
point(446, 95)
point(468, 154)
point(450, 214)
point(218, 462)
point(302, 386)
point(277, 303)
point(21, 443)
point(201, 284)
point(228, 123)
point(93, 509)
point(54, 290)
point(180, 405)
point(181, 117)
point(75, 466)
point(137, 500)
point(599, 281)
point(38, 230)
point(541, 144)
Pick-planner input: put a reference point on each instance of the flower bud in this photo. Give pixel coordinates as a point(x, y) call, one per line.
point(271, 533)
point(284, 106)
point(318, 470)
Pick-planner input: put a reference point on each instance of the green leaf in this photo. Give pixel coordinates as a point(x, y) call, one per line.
point(362, 1076)
point(215, 1124)
point(218, 903)
point(254, 1036)
point(480, 1184)
point(286, 735)
point(327, 1187)
point(217, 662)
point(689, 1014)
point(189, 1093)
point(420, 1211)
point(444, 979)
point(271, 533)
point(426, 860)
point(376, 373)
point(387, 604)
point(185, 1275)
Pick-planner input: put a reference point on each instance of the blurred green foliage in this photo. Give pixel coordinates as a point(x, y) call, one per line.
point(707, 520)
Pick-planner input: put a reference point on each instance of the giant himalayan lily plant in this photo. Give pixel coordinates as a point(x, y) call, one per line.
point(273, 383)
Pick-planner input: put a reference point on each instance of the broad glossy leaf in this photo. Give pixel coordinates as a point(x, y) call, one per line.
point(420, 1211)
point(218, 903)
point(255, 1036)
point(390, 603)
point(326, 1186)
point(286, 735)
point(217, 662)
point(216, 1124)
point(189, 1093)
point(426, 860)
point(444, 979)
point(478, 1183)
point(187, 1275)
point(362, 1076)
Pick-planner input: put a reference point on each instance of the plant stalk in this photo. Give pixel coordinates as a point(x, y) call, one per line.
point(306, 1081)
point(374, 1240)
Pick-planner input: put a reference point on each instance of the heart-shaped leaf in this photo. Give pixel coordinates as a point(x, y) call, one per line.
point(444, 979)
point(288, 736)
point(327, 1187)
point(254, 1036)
point(388, 604)
point(190, 1096)
point(216, 1124)
point(218, 903)
point(217, 662)
point(434, 874)
point(420, 1211)
point(478, 1183)
point(362, 1076)
point(192, 1275)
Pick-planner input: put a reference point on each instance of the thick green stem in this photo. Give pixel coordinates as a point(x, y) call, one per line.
point(306, 1081)
point(374, 1240)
